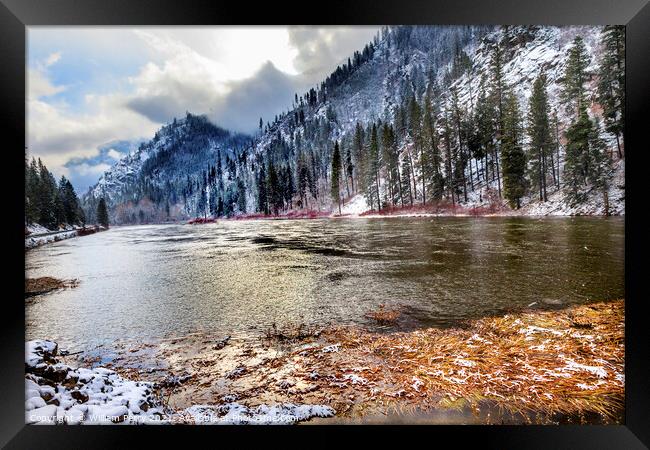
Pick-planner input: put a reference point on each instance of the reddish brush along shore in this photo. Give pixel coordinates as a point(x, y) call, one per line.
point(293, 214)
point(437, 208)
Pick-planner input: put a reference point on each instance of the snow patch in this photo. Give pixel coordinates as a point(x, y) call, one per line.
point(237, 414)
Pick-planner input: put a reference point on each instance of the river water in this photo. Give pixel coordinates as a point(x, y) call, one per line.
point(149, 282)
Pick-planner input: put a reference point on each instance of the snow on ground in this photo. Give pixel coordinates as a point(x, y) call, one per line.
point(56, 393)
point(557, 205)
point(236, 414)
point(31, 242)
point(35, 228)
point(355, 206)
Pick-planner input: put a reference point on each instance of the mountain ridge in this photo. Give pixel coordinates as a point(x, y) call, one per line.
point(228, 174)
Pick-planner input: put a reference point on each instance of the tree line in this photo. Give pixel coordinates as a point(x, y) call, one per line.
point(436, 141)
point(51, 204)
point(435, 148)
point(47, 202)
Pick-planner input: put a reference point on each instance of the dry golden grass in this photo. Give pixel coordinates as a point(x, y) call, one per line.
point(567, 362)
point(384, 316)
point(532, 367)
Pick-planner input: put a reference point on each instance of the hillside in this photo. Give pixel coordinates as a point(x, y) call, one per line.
point(407, 112)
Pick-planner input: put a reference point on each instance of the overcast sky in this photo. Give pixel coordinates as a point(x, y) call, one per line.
point(93, 93)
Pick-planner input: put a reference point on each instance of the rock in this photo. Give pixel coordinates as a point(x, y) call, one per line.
point(71, 380)
point(79, 396)
point(47, 393)
point(38, 352)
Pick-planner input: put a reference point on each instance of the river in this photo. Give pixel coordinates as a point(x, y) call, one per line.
point(153, 281)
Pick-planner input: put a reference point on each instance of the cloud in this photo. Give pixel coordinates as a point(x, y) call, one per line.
point(87, 169)
point(321, 49)
point(38, 85)
point(265, 94)
point(52, 59)
point(235, 105)
point(124, 83)
point(114, 154)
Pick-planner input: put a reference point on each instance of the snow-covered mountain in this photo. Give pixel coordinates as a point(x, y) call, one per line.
point(193, 168)
point(156, 174)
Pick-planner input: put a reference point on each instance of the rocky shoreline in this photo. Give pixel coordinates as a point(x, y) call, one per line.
point(534, 367)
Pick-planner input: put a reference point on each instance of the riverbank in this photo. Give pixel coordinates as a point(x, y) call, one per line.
point(44, 285)
point(564, 366)
point(36, 235)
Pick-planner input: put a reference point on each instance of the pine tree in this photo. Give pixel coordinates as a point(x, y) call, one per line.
point(575, 76)
point(359, 157)
point(289, 189)
point(416, 136)
point(241, 196)
point(576, 160)
point(302, 176)
point(577, 155)
point(540, 136)
point(611, 86)
point(555, 130)
point(32, 199)
point(102, 213)
point(50, 210)
point(390, 157)
point(498, 94)
point(512, 154)
point(349, 167)
point(273, 189)
point(431, 153)
point(485, 122)
point(600, 165)
point(219, 171)
point(461, 157)
point(336, 175)
point(81, 216)
point(447, 138)
point(69, 201)
point(406, 181)
point(372, 170)
point(262, 196)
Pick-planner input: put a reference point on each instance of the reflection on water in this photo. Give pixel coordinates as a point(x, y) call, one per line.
point(150, 281)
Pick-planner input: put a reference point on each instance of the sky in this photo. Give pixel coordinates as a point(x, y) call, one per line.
point(93, 94)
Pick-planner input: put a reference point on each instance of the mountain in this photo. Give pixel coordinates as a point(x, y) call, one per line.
point(420, 116)
point(156, 181)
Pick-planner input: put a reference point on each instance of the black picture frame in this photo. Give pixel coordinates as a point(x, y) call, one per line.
point(16, 15)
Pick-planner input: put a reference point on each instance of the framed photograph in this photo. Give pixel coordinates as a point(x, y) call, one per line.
point(410, 214)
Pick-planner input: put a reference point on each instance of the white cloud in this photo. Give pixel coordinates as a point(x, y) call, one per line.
point(57, 134)
point(52, 59)
point(38, 85)
point(320, 49)
point(233, 74)
point(86, 169)
point(114, 154)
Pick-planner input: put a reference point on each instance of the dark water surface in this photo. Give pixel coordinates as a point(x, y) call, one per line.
point(147, 282)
